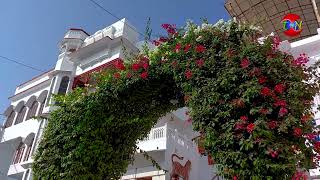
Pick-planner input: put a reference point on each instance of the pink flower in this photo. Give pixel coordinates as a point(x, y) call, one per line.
point(317, 146)
point(297, 132)
point(250, 127)
point(301, 60)
point(240, 126)
point(144, 75)
point(235, 178)
point(200, 62)
point(265, 91)
point(276, 42)
point(283, 111)
point(262, 80)
point(163, 39)
point(119, 65)
point(171, 28)
point(281, 103)
point(200, 48)
point(188, 74)
point(273, 153)
point(116, 75)
point(244, 118)
point(144, 59)
point(187, 47)
point(279, 88)
point(311, 137)
point(177, 48)
point(272, 124)
point(156, 43)
point(135, 67)
point(299, 175)
point(145, 65)
point(165, 26)
point(244, 63)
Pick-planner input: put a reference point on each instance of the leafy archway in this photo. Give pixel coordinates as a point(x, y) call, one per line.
point(249, 101)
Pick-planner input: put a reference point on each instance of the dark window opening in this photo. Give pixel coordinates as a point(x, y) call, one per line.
point(19, 153)
point(28, 152)
point(10, 119)
point(33, 110)
point(63, 85)
point(21, 115)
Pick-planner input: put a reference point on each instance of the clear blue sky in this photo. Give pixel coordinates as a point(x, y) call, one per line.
point(31, 29)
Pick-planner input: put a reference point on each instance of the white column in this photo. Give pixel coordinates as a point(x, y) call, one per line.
point(24, 153)
point(15, 117)
point(24, 175)
point(38, 108)
point(26, 113)
point(29, 177)
point(37, 136)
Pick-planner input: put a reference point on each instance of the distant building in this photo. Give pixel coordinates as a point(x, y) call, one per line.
point(269, 13)
point(80, 55)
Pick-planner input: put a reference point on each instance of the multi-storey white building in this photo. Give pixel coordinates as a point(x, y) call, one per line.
point(80, 55)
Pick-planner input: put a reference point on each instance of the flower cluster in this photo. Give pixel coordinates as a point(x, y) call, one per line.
point(139, 68)
point(301, 60)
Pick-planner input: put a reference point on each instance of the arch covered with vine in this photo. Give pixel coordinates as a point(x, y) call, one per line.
point(250, 102)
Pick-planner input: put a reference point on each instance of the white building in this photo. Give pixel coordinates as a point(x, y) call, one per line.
point(80, 55)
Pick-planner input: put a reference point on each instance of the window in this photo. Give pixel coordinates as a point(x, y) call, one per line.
point(10, 119)
point(33, 110)
point(28, 151)
point(41, 107)
point(19, 153)
point(63, 85)
point(21, 114)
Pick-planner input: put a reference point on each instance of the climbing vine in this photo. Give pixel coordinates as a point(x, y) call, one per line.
point(250, 102)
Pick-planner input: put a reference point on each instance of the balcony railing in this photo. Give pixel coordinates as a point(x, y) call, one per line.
point(156, 140)
point(156, 133)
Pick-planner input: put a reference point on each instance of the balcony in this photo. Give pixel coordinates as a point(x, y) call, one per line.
point(156, 140)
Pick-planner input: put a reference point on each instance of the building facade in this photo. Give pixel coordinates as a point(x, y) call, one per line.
point(80, 55)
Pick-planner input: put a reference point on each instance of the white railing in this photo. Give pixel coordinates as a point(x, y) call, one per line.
point(156, 133)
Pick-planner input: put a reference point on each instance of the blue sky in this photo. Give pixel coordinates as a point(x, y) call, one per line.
point(32, 29)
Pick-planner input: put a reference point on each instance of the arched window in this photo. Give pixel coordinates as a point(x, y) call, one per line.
point(41, 107)
point(63, 85)
point(21, 115)
point(33, 110)
point(10, 119)
point(19, 153)
point(28, 152)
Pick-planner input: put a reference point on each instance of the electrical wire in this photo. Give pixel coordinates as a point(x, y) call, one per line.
point(116, 17)
point(20, 63)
